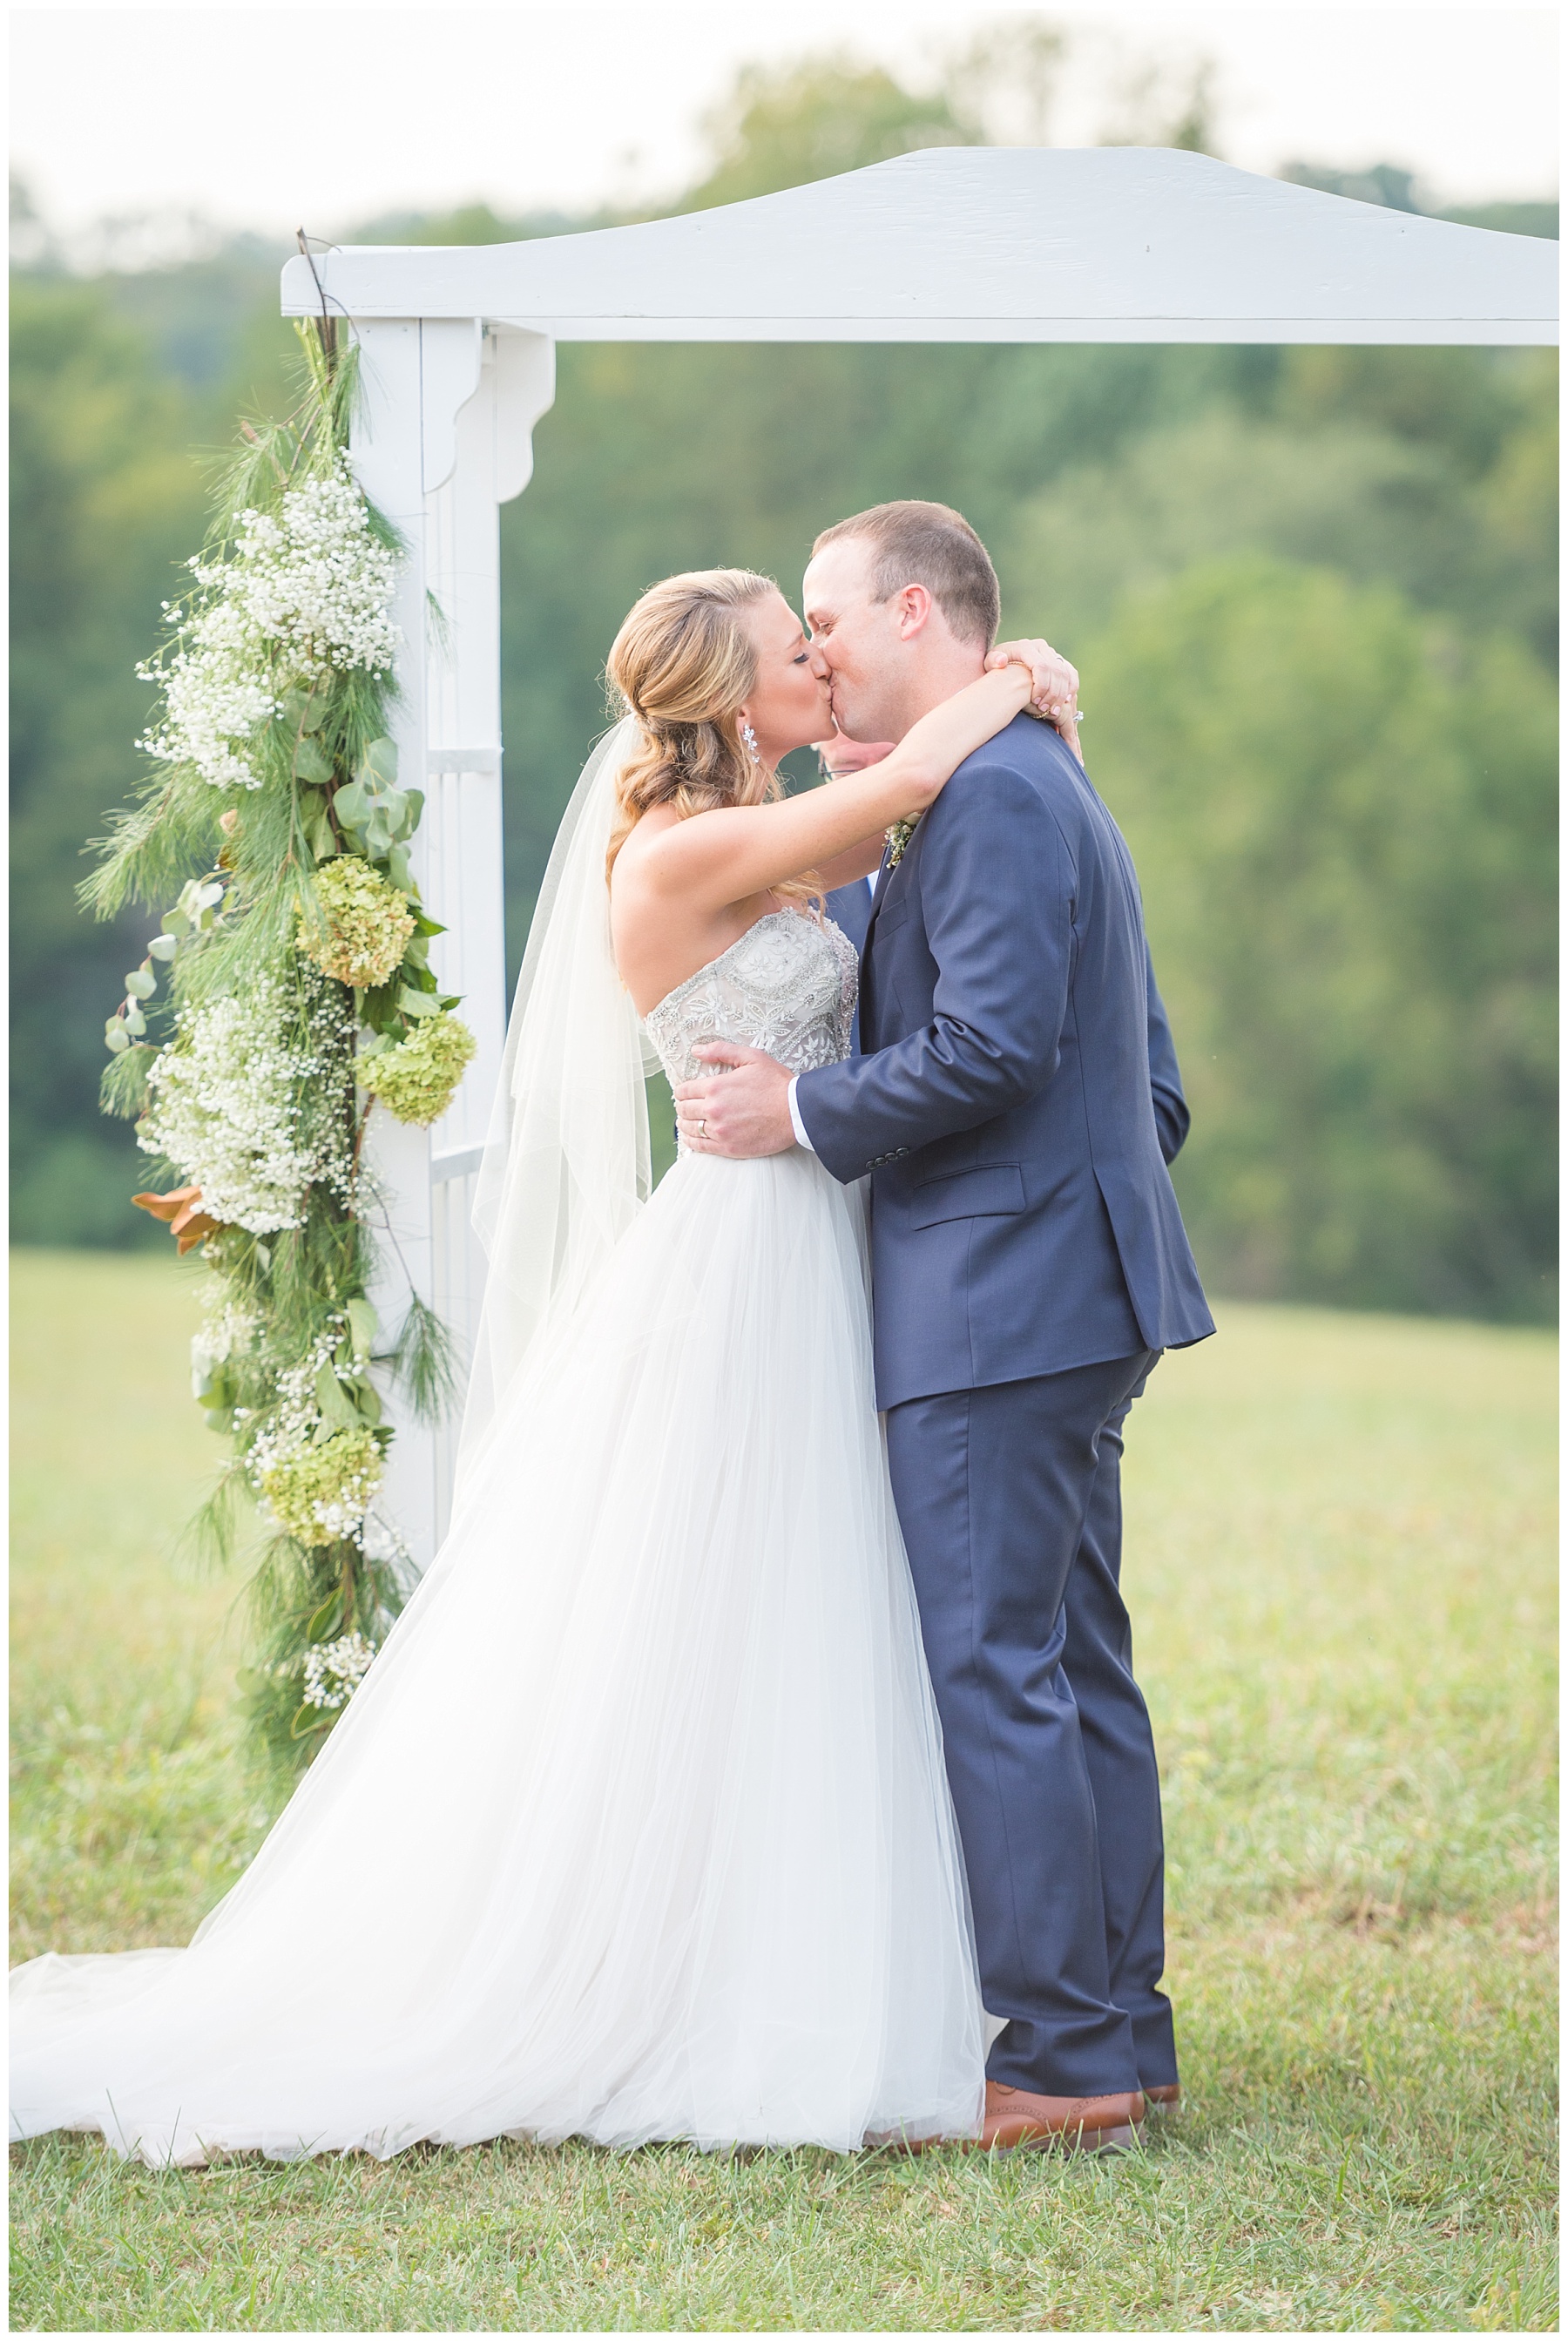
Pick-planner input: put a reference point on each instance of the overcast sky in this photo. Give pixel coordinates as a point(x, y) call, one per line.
point(266, 117)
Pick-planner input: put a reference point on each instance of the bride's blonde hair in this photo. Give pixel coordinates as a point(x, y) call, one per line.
point(683, 664)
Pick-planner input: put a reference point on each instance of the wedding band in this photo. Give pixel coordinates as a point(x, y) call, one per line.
point(702, 1127)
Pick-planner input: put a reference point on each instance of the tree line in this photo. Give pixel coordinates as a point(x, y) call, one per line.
point(1312, 594)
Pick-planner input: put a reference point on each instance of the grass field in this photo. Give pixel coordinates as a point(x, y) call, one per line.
point(1341, 1570)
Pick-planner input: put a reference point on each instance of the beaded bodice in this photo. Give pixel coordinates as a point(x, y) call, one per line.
point(787, 986)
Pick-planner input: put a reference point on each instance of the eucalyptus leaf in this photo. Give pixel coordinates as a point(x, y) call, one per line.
point(312, 762)
point(400, 869)
point(163, 947)
point(379, 762)
point(116, 1036)
point(351, 804)
point(134, 1021)
point(176, 924)
point(141, 983)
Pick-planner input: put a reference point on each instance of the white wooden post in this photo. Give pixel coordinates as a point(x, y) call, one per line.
point(443, 437)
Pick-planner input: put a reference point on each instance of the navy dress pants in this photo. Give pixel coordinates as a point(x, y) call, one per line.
point(1010, 1502)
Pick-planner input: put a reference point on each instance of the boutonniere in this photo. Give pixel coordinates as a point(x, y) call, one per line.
point(898, 837)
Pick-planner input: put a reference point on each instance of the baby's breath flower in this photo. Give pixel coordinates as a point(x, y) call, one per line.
point(334, 1670)
point(363, 927)
point(250, 1102)
point(303, 591)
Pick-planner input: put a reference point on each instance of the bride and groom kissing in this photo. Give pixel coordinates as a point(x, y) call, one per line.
point(760, 1761)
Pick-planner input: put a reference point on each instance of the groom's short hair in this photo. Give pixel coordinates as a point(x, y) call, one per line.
point(915, 543)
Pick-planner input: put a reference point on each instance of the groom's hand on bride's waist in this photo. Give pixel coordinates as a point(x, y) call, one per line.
point(741, 1108)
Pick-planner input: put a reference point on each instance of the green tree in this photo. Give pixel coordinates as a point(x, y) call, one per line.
point(105, 501)
point(1346, 831)
point(781, 128)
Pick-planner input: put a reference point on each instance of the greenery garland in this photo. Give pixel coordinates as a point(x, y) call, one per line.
point(296, 992)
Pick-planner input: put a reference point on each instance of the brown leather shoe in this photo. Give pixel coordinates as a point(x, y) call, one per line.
point(1165, 2097)
point(1017, 2117)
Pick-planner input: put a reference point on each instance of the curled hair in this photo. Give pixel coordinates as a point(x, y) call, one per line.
point(683, 664)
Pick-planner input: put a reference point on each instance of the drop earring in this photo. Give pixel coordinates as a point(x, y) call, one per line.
point(750, 737)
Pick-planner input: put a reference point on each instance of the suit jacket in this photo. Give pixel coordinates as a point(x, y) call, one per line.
point(1018, 1098)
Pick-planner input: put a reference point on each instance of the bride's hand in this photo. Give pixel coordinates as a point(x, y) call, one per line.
point(1055, 696)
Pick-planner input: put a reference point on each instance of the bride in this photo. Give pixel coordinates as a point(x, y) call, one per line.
point(639, 1826)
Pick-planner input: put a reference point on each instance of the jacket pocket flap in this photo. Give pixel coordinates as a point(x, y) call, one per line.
point(991, 1190)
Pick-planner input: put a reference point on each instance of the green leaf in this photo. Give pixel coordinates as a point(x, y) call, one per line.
point(364, 1327)
point(163, 947)
point(141, 983)
point(379, 762)
point(417, 1003)
point(116, 1035)
point(351, 804)
point(324, 1620)
point(338, 1412)
point(134, 1022)
point(176, 924)
point(400, 869)
point(312, 762)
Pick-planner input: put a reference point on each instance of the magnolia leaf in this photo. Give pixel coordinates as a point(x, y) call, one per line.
point(164, 946)
point(142, 982)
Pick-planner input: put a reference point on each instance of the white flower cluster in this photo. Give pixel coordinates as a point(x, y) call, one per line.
point(226, 1332)
point(304, 591)
point(298, 1410)
point(334, 1670)
point(249, 1108)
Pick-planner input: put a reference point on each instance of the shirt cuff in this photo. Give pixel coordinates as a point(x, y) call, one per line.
point(800, 1127)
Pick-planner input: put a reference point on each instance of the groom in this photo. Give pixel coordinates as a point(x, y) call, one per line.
point(1015, 1103)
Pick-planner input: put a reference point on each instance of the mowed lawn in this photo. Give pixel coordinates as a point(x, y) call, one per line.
point(1340, 1561)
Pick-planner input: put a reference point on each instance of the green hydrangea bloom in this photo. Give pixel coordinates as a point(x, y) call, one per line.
point(321, 1494)
point(363, 927)
point(415, 1080)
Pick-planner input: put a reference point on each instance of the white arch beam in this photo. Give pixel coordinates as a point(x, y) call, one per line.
point(986, 243)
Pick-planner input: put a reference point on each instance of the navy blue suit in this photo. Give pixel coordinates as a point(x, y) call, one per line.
point(1016, 1104)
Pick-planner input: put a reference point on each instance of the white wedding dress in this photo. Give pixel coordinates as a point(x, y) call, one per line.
point(639, 1825)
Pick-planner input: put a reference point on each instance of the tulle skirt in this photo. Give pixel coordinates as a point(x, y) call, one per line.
point(639, 1826)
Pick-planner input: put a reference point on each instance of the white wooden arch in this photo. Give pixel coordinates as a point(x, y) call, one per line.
point(954, 244)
